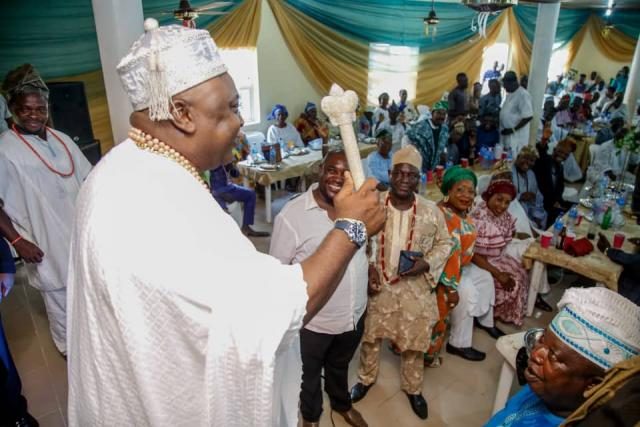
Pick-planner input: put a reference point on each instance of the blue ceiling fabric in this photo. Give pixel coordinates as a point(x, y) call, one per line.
point(396, 22)
point(627, 21)
point(570, 22)
point(59, 37)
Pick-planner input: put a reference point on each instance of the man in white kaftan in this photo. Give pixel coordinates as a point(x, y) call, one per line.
point(175, 319)
point(41, 172)
point(515, 115)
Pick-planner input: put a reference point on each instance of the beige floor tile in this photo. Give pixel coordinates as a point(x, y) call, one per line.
point(54, 419)
point(37, 388)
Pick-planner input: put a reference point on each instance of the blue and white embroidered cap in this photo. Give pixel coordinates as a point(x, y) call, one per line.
point(600, 324)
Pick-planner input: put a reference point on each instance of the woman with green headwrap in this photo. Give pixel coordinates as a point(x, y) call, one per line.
point(459, 188)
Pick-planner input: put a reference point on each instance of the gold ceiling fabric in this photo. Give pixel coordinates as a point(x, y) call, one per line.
point(616, 45)
point(437, 70)
point(574, 45)
point(324, 55)
point(521, 47)
point(240, 28)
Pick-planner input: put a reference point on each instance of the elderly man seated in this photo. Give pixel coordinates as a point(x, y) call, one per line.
point(595, 329)
point(524, 179)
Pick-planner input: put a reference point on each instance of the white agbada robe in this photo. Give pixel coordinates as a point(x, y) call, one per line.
point(41, 206)
point(175, 319)
point(516, 106)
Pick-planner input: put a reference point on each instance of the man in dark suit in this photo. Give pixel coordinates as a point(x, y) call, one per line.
point(550, 176)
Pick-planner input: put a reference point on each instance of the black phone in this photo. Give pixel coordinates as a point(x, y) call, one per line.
point(406, 263)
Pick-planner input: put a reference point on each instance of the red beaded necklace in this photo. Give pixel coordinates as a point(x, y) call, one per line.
point(51, 168)
point(396, 279)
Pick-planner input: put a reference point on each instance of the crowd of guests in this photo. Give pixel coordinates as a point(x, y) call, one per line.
point(434, 271)
point(438, 270)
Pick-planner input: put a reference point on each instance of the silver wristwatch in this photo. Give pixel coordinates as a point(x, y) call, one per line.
point(355, 229)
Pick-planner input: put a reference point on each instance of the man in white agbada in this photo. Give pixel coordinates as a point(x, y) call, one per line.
point(515, 114)
point(41, 170)
point(174, 318)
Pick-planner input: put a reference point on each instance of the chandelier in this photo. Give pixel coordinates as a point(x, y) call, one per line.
point(486, 8)
point(431, 22)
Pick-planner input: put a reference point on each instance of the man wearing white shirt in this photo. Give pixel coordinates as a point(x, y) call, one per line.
point(515, 115)
point(329, 340)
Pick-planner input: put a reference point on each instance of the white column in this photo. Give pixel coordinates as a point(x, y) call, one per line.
point(633, 85)
point(546, 25)
point(118, 25)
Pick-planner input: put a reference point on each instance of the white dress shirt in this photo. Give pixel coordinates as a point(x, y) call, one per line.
point(299, 229)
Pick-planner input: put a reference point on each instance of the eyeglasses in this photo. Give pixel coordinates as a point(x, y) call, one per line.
point(531, 338)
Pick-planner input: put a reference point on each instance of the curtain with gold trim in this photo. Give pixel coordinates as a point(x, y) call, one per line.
point(324, 55)
point(437, 70)
point(240, 28)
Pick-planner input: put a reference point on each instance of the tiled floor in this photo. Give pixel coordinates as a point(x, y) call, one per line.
point(459, 393)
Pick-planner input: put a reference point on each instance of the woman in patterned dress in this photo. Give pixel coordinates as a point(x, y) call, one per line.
point(496, 228)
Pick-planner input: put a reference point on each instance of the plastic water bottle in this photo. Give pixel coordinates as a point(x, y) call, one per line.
point(283, 146)
point(572, 217)
point(272, 155)
point(423, 184)
point(557, 229)
point(617, 216)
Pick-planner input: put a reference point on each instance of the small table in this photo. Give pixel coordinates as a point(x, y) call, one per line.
point(291, 167)
point(508, 346)
point(596, 265)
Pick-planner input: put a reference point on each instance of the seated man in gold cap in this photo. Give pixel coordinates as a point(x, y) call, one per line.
point(175, 319)
point(404, 269)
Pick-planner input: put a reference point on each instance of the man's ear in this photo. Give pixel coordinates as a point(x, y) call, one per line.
point(182, 116)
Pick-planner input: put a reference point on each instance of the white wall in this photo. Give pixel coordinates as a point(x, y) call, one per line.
point(280, 78)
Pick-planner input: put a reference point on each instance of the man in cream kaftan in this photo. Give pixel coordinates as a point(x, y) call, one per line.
point(404, 308)
point(406, 311)
point(40, 204)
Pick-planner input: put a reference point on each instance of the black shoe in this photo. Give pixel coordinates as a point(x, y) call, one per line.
point(359, 391)
point(542, 304)
point(468, 353)
point(494, 332)
point(419, 405)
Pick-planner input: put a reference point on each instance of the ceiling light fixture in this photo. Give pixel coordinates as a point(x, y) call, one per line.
point(486, 8)
point(431, 22)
